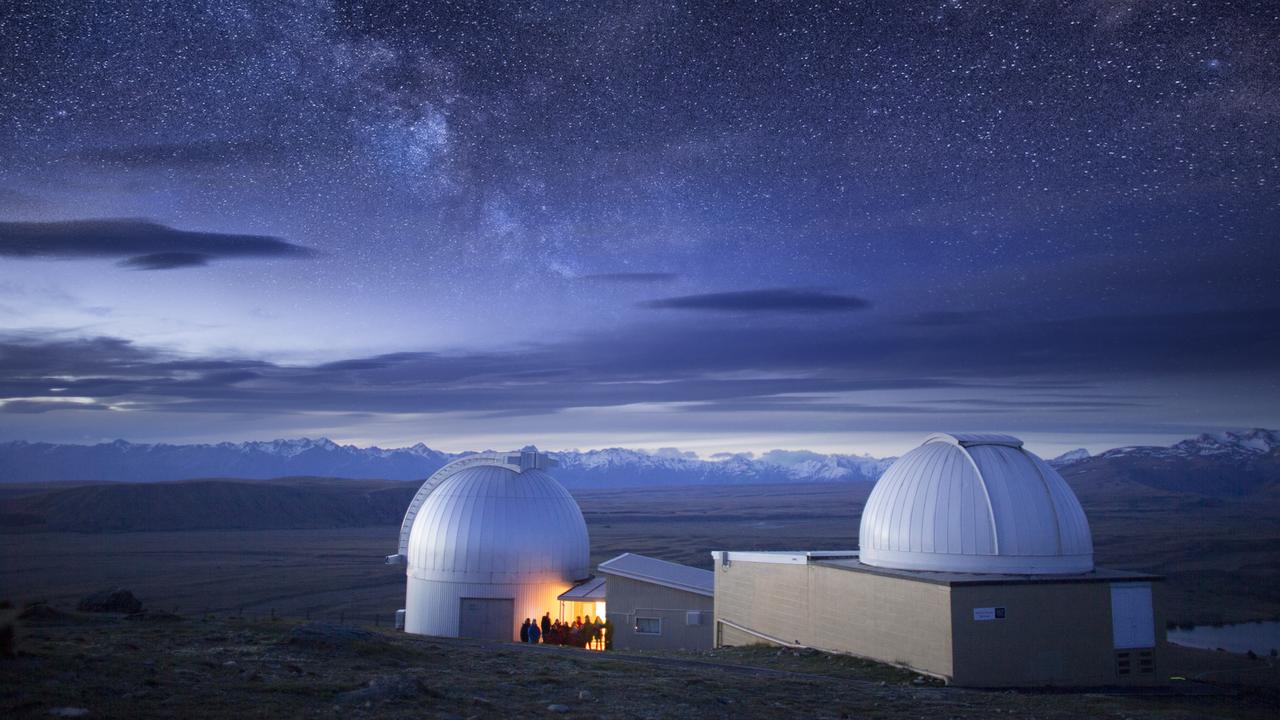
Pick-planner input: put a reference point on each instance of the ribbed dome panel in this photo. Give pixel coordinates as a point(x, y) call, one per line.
point(491, 524)
point(974, 503)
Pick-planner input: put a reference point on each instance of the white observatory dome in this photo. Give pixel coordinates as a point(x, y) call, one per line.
point(490, 524)
point(490, 541)
point(974, 504)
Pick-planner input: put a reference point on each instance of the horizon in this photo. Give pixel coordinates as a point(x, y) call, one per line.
point(1042, 448)
point(719, 230)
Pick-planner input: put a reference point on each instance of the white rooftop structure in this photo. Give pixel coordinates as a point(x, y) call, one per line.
point(491, 535)
point(661, 572)
point(593, 590)
point(975, 503)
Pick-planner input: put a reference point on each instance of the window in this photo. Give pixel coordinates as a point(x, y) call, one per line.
point(648, 626)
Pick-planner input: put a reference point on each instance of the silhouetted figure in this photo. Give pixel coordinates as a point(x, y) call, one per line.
point(546, 623)
point(524, 630)
point(534, 633)
point(597, 631)
point(608, 634)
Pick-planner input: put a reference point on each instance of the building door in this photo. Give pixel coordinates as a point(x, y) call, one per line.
point(486, 618)
point(1132, 621)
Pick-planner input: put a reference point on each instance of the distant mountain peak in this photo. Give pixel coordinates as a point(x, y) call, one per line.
point(1258, 440)
point(1071, 456)
point(1241, 444)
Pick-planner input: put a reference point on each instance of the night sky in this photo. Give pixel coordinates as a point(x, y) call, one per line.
point(713, 226)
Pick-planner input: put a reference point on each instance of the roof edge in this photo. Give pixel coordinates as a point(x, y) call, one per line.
point(642, 577)
point(965, 440)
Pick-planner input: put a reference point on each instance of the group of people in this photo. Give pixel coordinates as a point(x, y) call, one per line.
point(579, 633)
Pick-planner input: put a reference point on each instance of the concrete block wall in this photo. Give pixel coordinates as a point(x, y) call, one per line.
point(630, 598)
point(893, 620)
point(1051, 634)
point(887, 619)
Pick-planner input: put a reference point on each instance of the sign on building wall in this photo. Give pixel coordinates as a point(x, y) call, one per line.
point(988, 613)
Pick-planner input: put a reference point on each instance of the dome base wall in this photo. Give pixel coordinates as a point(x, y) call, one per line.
point(433, 607)
point(978, 564)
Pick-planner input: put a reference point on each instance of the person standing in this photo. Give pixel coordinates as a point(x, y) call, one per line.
point(524, 630)
point(597, 633)
point(546, 624)
point(534, 633)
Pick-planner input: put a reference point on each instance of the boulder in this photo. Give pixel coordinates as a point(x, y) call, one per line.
point(385, 688)
point(41, 611)
point(110, 601)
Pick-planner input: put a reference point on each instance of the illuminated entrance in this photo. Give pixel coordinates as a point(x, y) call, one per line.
point(585, 600)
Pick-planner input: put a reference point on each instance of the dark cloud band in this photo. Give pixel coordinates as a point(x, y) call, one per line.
point(631, 277)
point(781, 300)
point(140, 244)
point(1047, 367)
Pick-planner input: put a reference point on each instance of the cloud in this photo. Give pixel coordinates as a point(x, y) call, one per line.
point(632, 277)
point(143, 245)
point(166, 261)
point(780, 300)
point(44, 405)
point(985, 369)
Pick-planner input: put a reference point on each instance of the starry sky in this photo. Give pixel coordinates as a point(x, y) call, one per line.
point(714, 226)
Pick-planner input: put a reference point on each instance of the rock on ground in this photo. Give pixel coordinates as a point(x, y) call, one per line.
point(41, 611)
point(386, 687)
point(110, 601)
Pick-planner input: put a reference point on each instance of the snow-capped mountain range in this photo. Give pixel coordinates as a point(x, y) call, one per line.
point(623, 467)
point(22, 461)
point(1240, 445)
point(612, 467)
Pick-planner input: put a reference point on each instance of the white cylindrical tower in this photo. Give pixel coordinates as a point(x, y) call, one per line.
point(489, 541)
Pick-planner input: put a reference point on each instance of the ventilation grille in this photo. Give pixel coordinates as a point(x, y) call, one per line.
point(1131, 663)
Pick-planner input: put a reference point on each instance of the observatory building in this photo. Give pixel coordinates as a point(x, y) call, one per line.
point(488, 541)
point(975, 566)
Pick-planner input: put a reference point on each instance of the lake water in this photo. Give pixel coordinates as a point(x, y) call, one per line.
point(1259, 637)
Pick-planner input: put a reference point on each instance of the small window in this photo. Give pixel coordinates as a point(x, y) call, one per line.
point(648, 626)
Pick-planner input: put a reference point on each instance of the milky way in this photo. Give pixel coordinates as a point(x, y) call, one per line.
point(938, 206)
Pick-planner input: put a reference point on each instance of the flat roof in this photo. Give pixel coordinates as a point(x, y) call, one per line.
point(781, 557)
point(661, 572)
point(953, 578)
point(591, 589)
point(848, 560)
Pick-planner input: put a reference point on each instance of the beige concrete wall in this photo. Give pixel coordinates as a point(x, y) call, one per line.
point(1052, 634)
point(769, 598)
point(884, 618)
point(887, 619)
point(631, 598)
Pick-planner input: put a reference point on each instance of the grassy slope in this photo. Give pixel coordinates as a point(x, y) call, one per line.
point(1221, 555)
point(222, 668)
